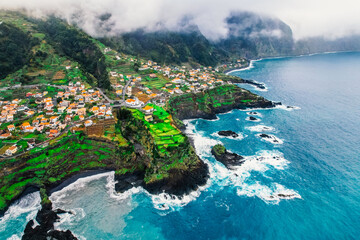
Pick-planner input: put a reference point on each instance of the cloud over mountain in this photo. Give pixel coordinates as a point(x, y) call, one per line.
point(307, 18)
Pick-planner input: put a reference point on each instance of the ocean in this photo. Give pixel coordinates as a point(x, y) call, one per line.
point(304, 185)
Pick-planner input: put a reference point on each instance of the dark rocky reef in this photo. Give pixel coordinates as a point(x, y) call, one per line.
point(128, 180)
point(263, 135)
point(46, 218)
point(225, 157)
point(179, 182)
point(251, 118)
point(248, 81)
point(228, 133)
point(254, 83)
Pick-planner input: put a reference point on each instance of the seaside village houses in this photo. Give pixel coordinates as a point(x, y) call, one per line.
point(71, 106)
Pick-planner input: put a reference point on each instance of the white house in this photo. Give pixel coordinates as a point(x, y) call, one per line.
point(11, 150)
point(88, 123)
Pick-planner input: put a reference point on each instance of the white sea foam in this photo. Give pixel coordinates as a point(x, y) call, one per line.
point(262, 162)
point(165, 201)
point(251, 65)
point(287, 108)
point(256, 88)
point(260, 128)
point(269, 194)
point(162, 201)
point(14, 237)
point(241, 176)
point(110, 185)
point(29, 204)
point(271, 138)
point(202, 144)
point(257, 119)
point(57, 197)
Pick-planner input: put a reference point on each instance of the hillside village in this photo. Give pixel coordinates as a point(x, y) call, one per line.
point(41, 116)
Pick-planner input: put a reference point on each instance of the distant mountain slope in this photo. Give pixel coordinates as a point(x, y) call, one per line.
point(320, 44)
point(34, 50)
point(15, 48)
point(78, 46)
point(168, 47)
point(253, 36)
point(249, 35)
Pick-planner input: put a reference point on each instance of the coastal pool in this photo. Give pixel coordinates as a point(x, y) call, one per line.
point(304, 186)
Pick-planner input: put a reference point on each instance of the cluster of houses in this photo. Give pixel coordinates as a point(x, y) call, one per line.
point(73, 105)
point(181, 80)
point(10, 108)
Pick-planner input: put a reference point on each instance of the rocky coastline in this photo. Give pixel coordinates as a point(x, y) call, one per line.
point(179, 182)
point(46, 218)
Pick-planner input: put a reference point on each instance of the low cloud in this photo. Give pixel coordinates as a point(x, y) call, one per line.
point(307, 18)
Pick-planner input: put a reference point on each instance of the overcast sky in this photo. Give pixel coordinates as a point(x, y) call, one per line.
point(330, 18)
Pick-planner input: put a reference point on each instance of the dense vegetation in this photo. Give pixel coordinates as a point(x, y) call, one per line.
point(78, 46)
point(248, 36)
point(219, 149)
point(70, 155)
point(15, 48)
point(167, 47)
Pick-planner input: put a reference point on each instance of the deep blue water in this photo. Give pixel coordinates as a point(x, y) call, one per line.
point(318, 165)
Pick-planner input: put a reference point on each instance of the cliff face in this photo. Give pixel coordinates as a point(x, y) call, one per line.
point(176, 170)
point(220, 99)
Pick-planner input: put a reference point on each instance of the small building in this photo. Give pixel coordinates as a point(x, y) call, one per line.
point(148, 109)
point(25, 125)
point(30, 129)
point(149, 118)
point(53, 133)
point(11, 127)
point(11, 150)
point(152, 75)
point(88, 123)
point(5, 135)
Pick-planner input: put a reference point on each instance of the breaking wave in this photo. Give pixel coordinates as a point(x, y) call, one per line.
point(25, 209)
point(241, 177)
point(260, 128)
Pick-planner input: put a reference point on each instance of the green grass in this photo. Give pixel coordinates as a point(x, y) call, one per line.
point(164, 133)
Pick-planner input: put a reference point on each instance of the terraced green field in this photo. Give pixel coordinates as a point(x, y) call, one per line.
point(161, 129)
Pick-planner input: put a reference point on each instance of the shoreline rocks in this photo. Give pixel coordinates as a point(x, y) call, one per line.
point(181, 182)
point(228, 133)
point(227, 158)
point(46, 217)
point(251, 118)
